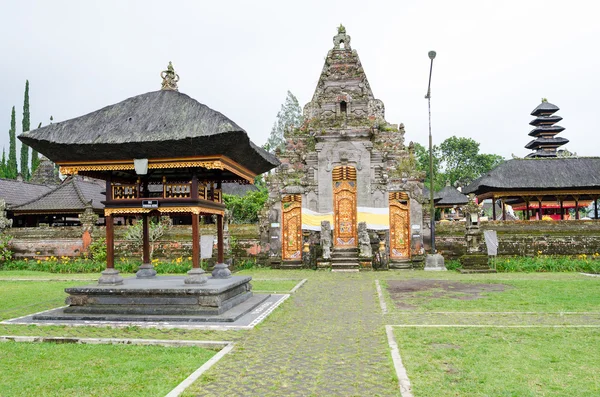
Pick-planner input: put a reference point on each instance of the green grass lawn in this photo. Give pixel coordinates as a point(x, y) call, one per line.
point(19, 298)
point(274, 286)
point(525, 295)
point(48, 369)
point(501, 361)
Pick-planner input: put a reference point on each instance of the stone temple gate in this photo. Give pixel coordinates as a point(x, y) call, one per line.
point(343, 167)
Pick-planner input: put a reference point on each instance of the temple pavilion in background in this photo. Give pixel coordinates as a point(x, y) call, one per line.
point(548, 183)
point(159, 153)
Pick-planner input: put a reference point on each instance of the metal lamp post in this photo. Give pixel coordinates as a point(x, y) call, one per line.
point(433, 261)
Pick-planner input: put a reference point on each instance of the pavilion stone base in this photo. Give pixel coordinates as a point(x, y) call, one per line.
point(475, 263)
point(161, 298)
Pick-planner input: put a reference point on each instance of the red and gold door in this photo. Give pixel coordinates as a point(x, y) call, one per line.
point(399, 226)
point(344, 206)
point(291, 227)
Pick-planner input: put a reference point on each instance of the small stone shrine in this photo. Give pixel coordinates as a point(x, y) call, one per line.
point(159, 153)
point(345, 165)
point(475, 260)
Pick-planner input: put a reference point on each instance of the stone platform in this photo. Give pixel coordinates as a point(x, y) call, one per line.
point(163, 298)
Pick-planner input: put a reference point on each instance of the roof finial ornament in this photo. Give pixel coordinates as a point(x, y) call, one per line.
point(170, 79)
point(544, 100)
point(341, 37)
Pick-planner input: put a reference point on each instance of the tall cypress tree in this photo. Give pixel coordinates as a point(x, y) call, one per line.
point(11, 165)
point(3, 164)
point(24, 147)
point(35, 158)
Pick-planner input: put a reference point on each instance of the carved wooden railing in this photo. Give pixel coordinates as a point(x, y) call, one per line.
point(124, 192)
point(177, 190)
point(169, 190)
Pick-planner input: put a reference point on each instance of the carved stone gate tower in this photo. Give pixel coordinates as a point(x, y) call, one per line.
point(345, 165)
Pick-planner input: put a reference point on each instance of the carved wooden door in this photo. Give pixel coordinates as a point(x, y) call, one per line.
point(291, 239)
point(399, 226)
point(344, 206)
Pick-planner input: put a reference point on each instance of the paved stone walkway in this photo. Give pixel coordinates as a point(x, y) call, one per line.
point(328, 339)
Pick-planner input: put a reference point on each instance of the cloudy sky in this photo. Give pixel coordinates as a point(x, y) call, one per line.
point(495, 60)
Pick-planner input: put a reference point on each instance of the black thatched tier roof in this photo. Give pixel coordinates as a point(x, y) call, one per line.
point(545, 108)
point(546, 129)
point(550, 142)
point(450, 196)
point(545, 120)
point(159, 124)
point(540, 174)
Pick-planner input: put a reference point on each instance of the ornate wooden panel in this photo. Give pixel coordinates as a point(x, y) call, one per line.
point(291, 227)
point(399, 226)
point(344, 206)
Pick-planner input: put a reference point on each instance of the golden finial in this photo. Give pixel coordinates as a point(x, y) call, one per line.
point(170, 78)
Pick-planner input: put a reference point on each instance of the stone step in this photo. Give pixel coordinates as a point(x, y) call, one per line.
point(345, 259)
point(290, 265)
point(400, 264)
point(345, 266)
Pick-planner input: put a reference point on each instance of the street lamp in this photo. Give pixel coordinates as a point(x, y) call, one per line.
point(433, 261)
point(428, 96)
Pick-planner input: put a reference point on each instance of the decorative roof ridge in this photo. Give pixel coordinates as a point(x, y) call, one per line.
point(27, 182)
point(75, 182)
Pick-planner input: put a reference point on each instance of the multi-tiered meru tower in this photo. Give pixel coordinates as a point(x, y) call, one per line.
point(545, 142)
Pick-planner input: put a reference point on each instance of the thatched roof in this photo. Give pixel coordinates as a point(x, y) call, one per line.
point(450, 196)
point(72, 196)
point(159, 124)
point(540, 174)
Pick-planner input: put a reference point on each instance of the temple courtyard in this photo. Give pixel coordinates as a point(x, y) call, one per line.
point(410, 333)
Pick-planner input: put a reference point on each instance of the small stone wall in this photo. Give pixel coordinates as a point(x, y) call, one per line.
point(525, 238)
point(42, 242)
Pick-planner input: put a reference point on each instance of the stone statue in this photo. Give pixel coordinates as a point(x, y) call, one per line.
point(326, 239)
point(364, 241)
point(473, 235)
point(170, 79)
point(4, 221)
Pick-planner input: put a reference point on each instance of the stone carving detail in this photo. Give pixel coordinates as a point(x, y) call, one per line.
point(88, 218)
point(4, 221)
point(326, 239)
point(364, 241)
point(170, 79)
point(473, 235)
point(341, 37)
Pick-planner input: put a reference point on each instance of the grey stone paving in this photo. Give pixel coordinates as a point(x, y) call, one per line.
point(327, 340)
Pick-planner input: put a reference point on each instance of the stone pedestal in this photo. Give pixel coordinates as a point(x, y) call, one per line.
point(146, 270)
point(196, 276)
point(110, 277)
point(221, 270)
point(435, 262)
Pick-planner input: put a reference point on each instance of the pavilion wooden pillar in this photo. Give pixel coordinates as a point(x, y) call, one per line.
point(561, 200)
point(576, 206)
point(503, 209)
point(494, 208)
point(195, 241)
point(110, 276)
point(527, 207)
point(540, 208)
point(595, 207)
point(110, 242)
point(221, 269)
point(145, 240)
point(220, 253)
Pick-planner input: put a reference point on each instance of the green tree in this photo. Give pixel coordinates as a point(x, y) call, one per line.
point(11, 165)
point(422, 164)
point(3, 164)
point(462, 161)
point(35, 158)
point(245, 209)
point(289, 117)
point(26, 126)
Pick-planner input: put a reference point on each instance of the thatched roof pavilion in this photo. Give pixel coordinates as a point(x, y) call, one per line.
point(533, 182)
point(159, 152)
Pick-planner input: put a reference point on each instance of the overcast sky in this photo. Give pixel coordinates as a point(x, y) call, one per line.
point(495, 61)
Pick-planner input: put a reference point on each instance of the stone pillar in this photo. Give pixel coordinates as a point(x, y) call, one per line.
point(4, 221)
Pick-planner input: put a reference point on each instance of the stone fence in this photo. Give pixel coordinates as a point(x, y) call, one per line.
point(43, 242)
point(525, 238)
